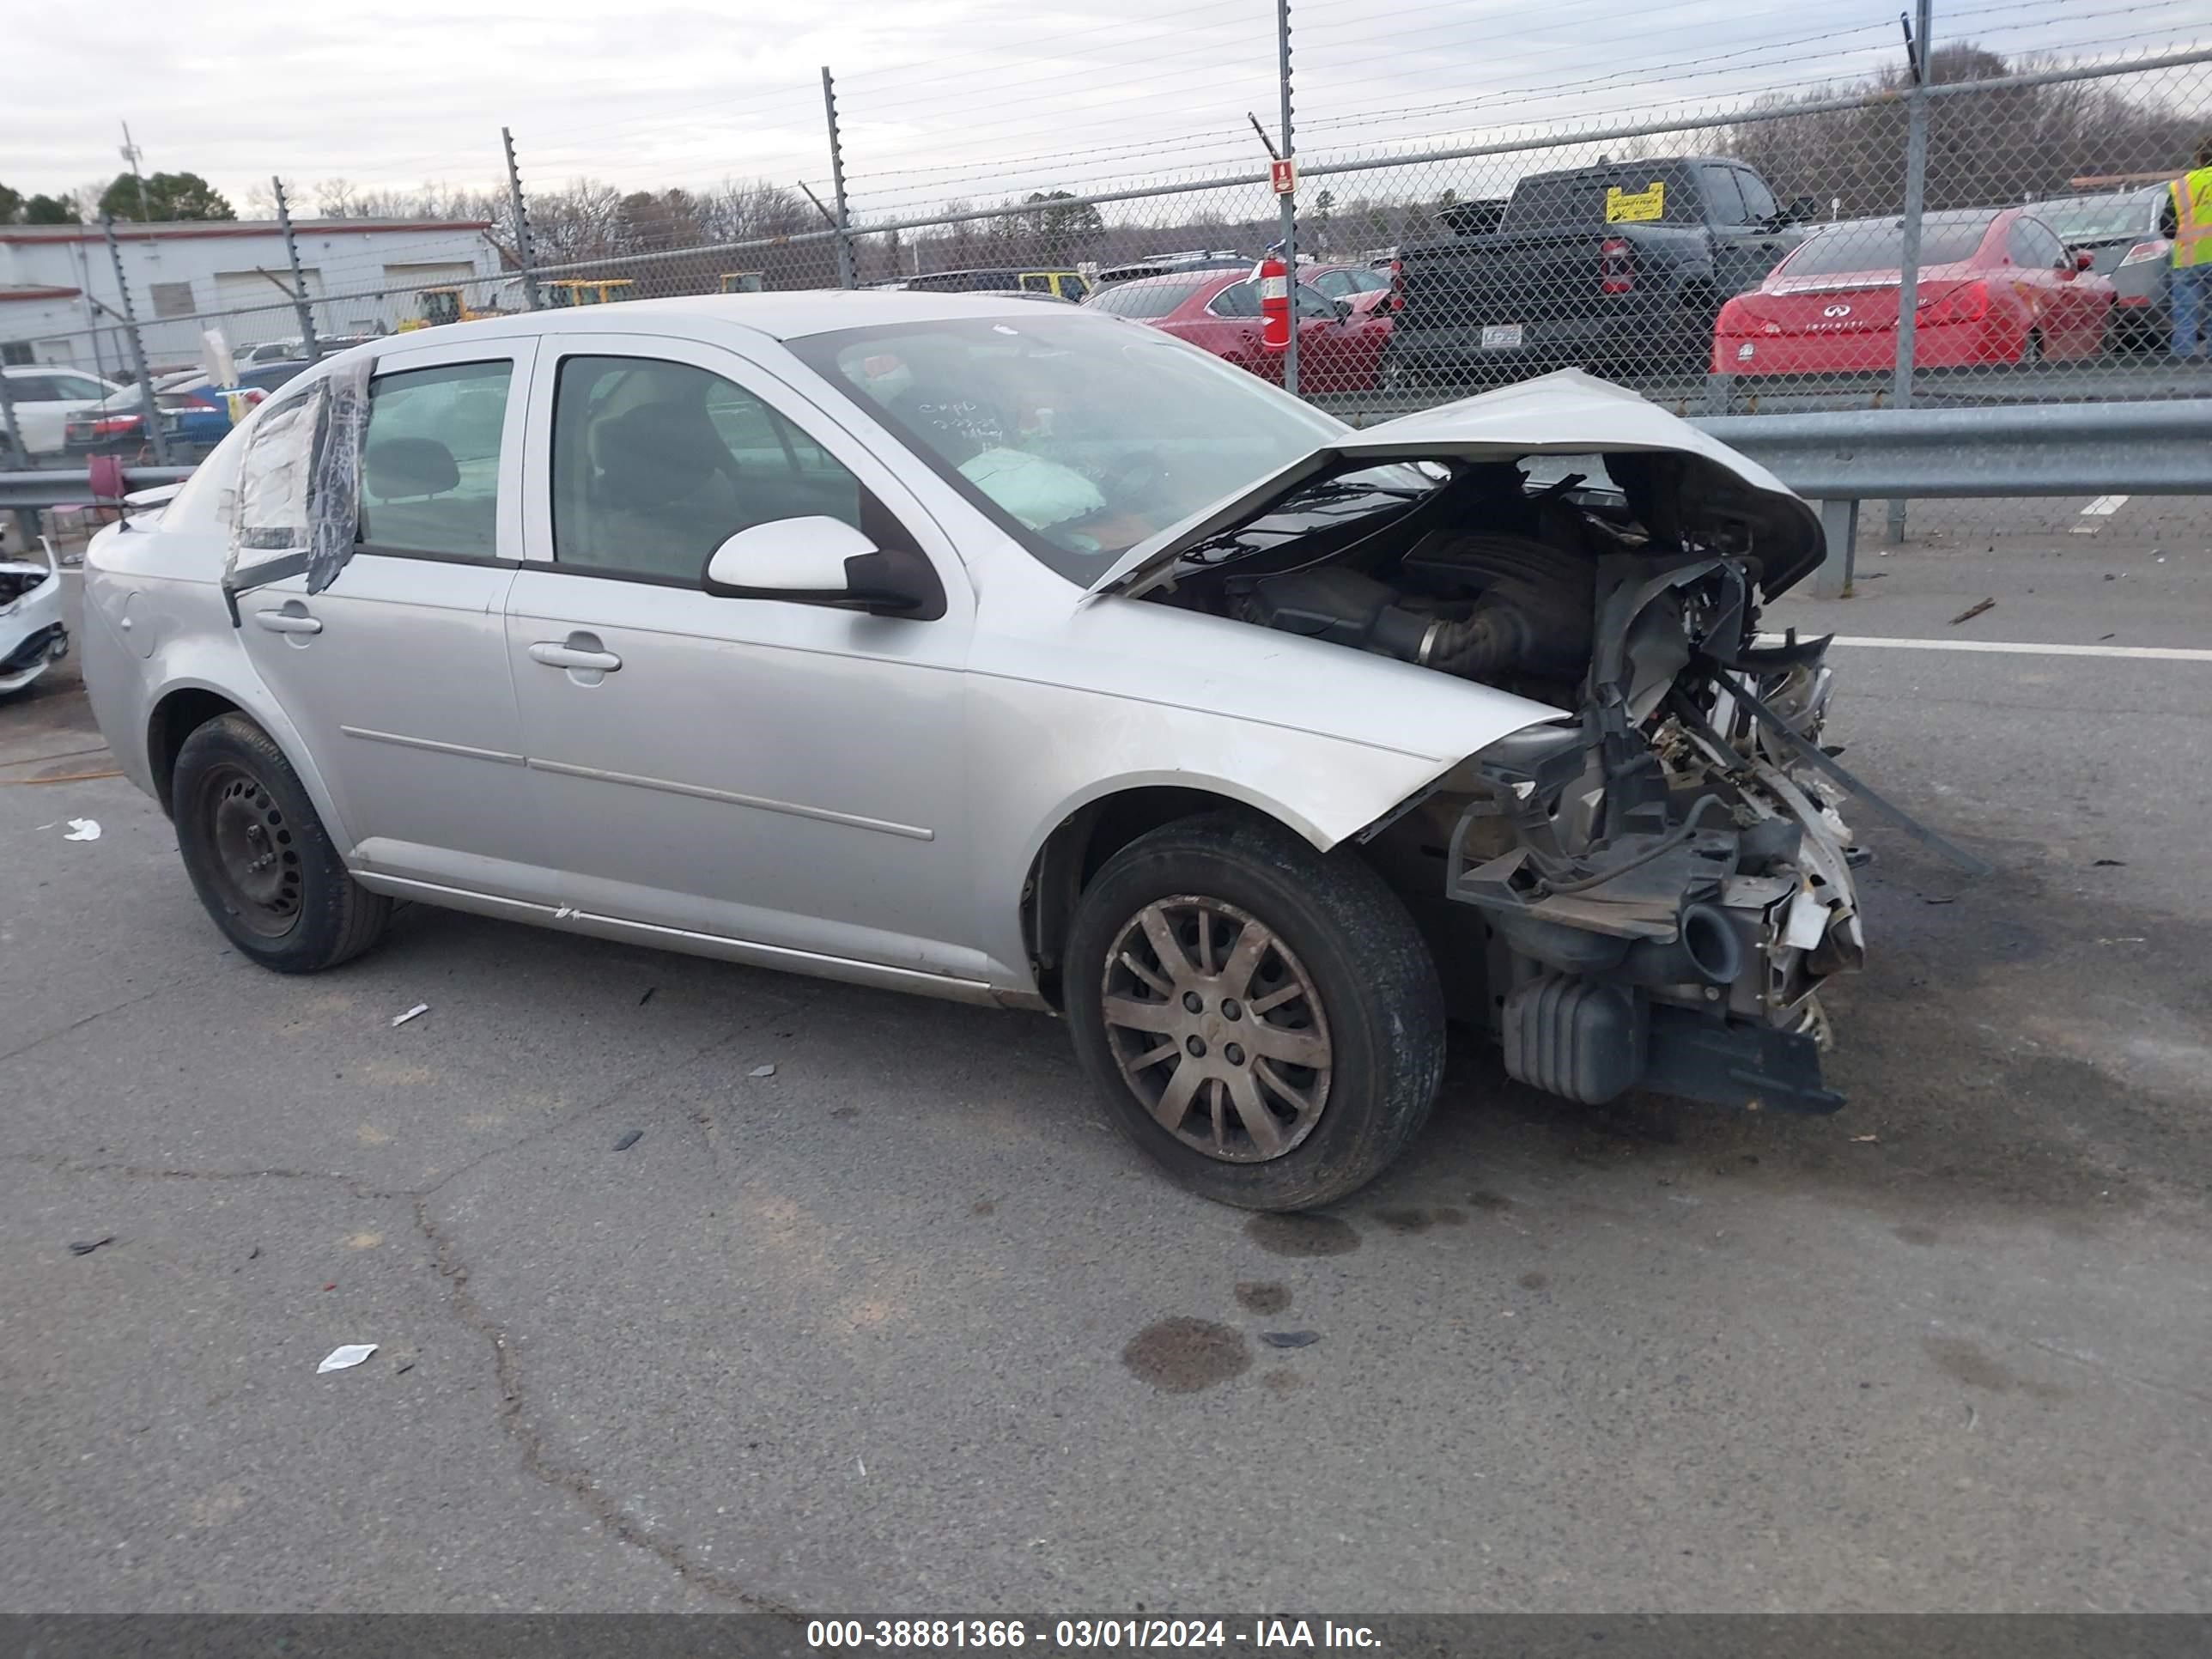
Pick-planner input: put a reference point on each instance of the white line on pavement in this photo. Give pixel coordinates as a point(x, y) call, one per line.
point(2103, 508)
point(2148, 653)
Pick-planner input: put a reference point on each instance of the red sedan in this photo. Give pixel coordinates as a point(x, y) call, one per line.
point(1997, 286)
point(1219, 310)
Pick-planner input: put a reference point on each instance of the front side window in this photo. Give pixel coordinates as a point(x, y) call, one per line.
point(429, 464)
point(1759, 203)
point(1312, 304)
point(657, 464)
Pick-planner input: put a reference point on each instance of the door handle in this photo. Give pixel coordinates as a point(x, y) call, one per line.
point(288, 621)
point(554, 654)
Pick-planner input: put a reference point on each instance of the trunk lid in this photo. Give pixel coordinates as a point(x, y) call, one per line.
point(1566, 413)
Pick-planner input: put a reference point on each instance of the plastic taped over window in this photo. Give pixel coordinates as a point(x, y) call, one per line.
point(297, 503)
point(334, 493)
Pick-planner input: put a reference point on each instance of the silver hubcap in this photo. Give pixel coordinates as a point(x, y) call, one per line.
point(1217, 1029)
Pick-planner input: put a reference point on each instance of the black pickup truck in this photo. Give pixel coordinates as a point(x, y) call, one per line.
point(1620, 267)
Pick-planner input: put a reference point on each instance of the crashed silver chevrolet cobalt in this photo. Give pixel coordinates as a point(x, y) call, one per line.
point(1043, 662)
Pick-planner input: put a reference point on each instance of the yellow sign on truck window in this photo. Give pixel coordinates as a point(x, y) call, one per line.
point(1635, 206)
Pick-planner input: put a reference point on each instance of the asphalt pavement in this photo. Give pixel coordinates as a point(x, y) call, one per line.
point(906, 1325)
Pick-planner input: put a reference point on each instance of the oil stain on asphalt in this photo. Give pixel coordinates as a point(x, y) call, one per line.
point(1182, 1355)
point(1263, 1296)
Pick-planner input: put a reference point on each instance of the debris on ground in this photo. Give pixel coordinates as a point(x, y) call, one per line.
point(82, 830)
point(630, 1140)
point(761, 1071)
point(2109, 864)
point(401, 1370)
point(1289, 1339)
point(86, 1248)
point(647, 997)
point(1863, 1140)
point(1972, 611)
point(419, 1008)
point(346, 1358)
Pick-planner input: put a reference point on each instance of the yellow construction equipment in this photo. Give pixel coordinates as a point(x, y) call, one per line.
point(436, 306)
point(565, 292)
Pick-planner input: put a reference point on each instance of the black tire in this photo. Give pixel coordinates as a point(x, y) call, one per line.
point(1380, 1015)
point(304, 912)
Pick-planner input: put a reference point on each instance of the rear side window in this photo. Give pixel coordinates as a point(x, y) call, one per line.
point(1237, 300)
point(429, 475)
point(2033, 243)
point(1146, 299)
point(657, 464)
point(1724, 196)
point(1758, 203)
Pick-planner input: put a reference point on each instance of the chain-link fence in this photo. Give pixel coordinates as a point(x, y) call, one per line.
point(1962, 230)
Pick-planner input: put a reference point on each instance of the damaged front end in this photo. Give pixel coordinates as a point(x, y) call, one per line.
point(1663, 886)
point(1649, 892)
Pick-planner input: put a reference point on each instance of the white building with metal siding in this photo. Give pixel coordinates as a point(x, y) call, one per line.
point(58, 302)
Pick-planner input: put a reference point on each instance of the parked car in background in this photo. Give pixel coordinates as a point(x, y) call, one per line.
point(1103, 679)
point(1996, 286)
point(295, 349)
point(1339, 346)
point(1622, 266)
point(2126, 232)
point(1162, 264)
point(1368, 289)
point(993, 279)
point(44, 397)
point(195, 412)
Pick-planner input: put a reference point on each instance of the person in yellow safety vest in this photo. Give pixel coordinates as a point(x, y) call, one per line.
point(2190, 213)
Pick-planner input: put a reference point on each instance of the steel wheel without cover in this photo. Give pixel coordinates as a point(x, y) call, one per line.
point(1217, 1029)
point(256, 868)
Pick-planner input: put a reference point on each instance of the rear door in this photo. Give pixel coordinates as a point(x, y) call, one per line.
point(396, 673)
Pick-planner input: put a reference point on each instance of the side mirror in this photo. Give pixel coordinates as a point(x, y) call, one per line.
point(1343, 309)
point(823, 560)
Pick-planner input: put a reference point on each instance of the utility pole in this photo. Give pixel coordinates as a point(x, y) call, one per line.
point(137, 346)
point(300, 305)
point(524, 254)
point(842, 223)
point(1915, 194)
point(1290, 198)
point(130, 154)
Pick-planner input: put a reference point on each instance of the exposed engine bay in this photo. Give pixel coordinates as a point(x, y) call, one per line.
point(31, 634)
point(1651, 890)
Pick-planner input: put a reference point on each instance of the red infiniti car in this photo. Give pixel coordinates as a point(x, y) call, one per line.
point(1997, 286)
point(1337, 346)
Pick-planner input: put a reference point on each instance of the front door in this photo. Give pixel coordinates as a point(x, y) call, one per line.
point(396, 674)
point(788, 774)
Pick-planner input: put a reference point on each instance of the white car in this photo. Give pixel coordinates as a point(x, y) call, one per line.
point(45, 396)
point(1022, 656)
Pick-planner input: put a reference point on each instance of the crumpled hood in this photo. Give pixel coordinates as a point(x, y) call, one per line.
point(1567, 413)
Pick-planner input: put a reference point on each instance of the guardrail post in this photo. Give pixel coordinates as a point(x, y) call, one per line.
point(301, 307)
point(841, 223)
point(526, 254)
point(137, 345)
point(1839, 527)
point(1915, 194)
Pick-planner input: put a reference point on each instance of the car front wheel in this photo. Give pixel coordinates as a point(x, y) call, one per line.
point(260, 858)
point(1263, 1020)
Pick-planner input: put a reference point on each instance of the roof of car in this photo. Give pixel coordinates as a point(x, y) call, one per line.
point(784, 316)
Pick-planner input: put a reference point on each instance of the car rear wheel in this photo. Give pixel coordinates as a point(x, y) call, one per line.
point(1263, 1021)
point(259, 857)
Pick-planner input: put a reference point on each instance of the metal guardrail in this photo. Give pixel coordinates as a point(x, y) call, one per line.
point(1839, 459)
point(58, 486)
point(1835, 458)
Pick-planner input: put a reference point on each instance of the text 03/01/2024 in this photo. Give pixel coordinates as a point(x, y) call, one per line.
point(1078, 1635)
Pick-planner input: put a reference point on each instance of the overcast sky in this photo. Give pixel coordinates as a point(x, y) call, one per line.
point(941, 99)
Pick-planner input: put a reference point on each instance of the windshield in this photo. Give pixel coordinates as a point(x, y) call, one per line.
point(1083, 437)
point(1879, 244)
point(2092, 217)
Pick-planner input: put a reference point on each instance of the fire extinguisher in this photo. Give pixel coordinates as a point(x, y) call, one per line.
point(1274, 280)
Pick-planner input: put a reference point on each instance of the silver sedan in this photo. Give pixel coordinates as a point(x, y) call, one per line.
point(1020, 656)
